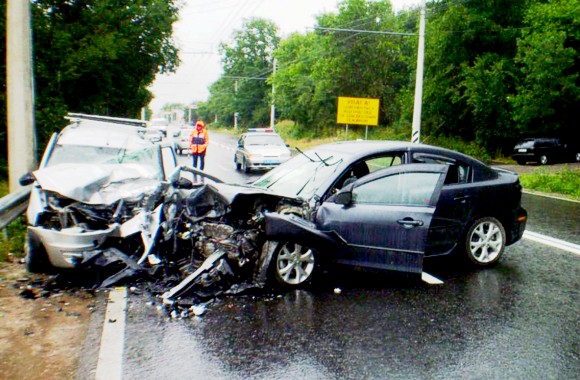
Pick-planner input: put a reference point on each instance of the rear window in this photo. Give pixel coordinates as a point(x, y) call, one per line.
point(525, 144)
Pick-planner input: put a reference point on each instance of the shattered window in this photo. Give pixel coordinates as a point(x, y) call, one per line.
point(83, 154)
point(301, 176)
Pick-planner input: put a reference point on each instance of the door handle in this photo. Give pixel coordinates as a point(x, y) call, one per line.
point(461, 198)
point(410, 223)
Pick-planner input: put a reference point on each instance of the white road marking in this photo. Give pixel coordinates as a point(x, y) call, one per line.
point(552, 242)
point(431, 280)
point(110, 362)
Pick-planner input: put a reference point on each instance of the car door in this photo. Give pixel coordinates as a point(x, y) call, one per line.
point(384, 218)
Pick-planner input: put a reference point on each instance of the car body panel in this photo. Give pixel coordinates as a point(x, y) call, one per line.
point(384, 227)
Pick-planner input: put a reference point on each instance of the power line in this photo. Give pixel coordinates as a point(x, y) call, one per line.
point(364, 31)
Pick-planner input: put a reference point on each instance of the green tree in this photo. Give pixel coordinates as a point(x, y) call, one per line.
point(247, 63)
point(95, 56)
point(548, 95)
point(470, 47)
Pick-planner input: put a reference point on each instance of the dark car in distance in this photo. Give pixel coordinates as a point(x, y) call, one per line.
point(545, 150)
point(385, 205)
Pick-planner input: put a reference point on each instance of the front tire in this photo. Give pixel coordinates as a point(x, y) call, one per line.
point(244, 166)
point(36, 258)
point(544, 160)
point(485, 242)
point(293, 265)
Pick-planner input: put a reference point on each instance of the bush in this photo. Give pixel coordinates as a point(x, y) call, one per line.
point(565, 182)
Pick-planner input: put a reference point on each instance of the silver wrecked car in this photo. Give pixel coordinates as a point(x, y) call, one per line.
point(100, 179)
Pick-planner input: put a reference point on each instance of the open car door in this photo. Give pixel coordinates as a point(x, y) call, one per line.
point(384, 217)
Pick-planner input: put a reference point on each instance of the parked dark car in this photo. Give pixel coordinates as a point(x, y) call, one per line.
point(545, 151)
point(385, 205)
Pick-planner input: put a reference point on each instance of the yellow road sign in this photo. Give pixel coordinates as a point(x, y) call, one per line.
point(357, 111)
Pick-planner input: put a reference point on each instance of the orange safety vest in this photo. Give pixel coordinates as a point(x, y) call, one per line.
point(198, 141)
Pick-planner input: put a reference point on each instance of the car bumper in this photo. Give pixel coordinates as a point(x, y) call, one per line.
point(527, 157)
point(518, 226)
point(68, 247)
point(265, 163)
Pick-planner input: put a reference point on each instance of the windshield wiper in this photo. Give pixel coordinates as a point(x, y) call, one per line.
point(304, 154)
point(320, 159)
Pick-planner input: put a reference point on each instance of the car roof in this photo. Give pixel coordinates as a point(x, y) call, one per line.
point(106, 134)
point(357, 149)
point(366, 147)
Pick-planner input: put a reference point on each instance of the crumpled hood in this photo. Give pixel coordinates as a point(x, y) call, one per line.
point(98, 184)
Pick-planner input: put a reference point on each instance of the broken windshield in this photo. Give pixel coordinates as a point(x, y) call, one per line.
point(83, 154)
point(301, 176)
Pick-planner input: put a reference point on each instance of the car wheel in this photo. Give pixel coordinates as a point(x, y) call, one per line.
point(293, 265)
point(36, 258)
point(521, 162)
point(543, 159)
point(485, 241)
point(577, 157)
point(244, 166)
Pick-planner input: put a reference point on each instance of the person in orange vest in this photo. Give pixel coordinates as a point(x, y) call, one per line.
point(199, 140)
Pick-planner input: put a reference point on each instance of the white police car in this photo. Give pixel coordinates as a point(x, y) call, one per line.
point(260, 148)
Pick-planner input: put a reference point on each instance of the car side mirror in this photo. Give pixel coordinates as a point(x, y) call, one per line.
point(182, 183)
point(343, 198)
point(26, 179)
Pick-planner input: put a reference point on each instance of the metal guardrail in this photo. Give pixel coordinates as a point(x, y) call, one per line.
point(13, 205)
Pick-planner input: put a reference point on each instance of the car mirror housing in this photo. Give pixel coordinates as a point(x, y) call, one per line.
point(26, 179)
point(343, 198)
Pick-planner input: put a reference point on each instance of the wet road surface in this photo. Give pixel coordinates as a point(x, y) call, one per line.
point(518, 320)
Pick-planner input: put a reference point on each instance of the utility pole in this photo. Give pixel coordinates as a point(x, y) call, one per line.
point(273, 107)
point(19, 91)
point(416, 134)
point(235, 113)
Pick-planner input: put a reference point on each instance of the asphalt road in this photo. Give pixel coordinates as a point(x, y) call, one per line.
point(519, 320)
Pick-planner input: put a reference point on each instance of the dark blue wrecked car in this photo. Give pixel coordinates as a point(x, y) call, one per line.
point(381, 206)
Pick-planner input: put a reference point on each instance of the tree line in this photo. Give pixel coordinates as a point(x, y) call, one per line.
point(495, 70)
point(93, 56)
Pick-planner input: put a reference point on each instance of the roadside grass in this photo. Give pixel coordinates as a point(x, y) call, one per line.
point(564, 182)
point(12, 239)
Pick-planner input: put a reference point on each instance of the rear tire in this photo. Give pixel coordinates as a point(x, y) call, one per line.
point(36, 258)
point(544, 160)
point(577, 157)
point(293, 265)
point(485, 242)
point(521, 162)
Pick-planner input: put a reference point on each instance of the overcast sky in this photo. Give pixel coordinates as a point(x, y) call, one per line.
point(204, 24)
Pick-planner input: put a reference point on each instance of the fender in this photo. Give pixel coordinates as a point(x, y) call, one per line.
point(293, 228)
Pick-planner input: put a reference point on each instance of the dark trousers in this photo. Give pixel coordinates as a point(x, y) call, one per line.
point(201, 157)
